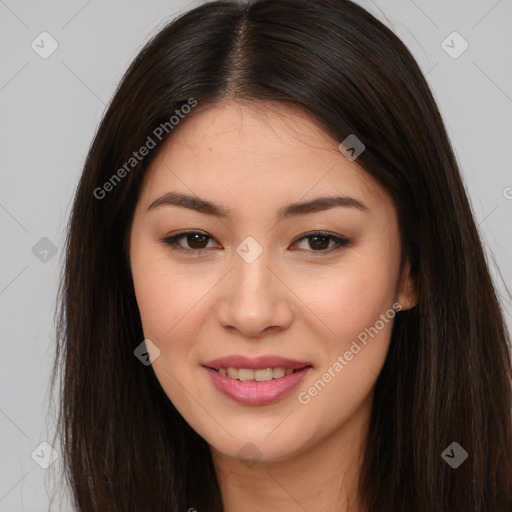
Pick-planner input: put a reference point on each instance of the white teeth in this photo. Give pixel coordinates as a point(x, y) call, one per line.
point(259, 375)
point(279, 372)
point(264, 375)
point(245, 374)
point(233, 373)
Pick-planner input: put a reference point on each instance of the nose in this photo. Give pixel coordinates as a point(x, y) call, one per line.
point(254, 299)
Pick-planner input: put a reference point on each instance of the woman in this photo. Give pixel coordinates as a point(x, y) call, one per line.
point(275, 296)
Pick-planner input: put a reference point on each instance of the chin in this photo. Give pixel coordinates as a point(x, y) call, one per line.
point(264, 441)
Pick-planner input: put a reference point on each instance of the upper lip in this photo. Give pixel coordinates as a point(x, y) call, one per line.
point(270, 361)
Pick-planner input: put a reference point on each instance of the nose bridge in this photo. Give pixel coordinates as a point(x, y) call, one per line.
point(254, 298)
point(253, 278)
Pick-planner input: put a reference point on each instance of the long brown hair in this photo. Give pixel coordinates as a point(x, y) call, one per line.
point(447, 376)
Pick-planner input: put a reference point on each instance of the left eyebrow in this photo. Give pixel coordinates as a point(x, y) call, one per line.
point(292, 210)
point(320, 204)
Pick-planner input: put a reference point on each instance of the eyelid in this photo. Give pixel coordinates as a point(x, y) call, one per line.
point(339, 240)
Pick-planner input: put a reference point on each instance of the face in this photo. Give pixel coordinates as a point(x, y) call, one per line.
point(271, 307)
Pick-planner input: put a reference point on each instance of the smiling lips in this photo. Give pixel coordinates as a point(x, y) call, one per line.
point(256, 381)
point(259, 375)
point(263, 368)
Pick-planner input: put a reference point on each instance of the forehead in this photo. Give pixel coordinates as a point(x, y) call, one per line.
point(256, 152)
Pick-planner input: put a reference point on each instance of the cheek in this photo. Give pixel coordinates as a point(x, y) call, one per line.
point(347, 299)
point(169, 299)
point(357, 308)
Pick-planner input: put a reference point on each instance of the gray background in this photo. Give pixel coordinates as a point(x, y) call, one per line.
point(51, 107)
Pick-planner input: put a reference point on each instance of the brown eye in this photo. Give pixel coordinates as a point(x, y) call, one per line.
point(321, 242)
point(195, 241)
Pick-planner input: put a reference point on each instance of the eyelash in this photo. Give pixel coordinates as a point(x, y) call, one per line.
point(172, 241)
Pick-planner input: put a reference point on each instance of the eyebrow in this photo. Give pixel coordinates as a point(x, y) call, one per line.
point(294, 209)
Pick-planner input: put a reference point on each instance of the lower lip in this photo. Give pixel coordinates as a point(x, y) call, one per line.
point(256, 393)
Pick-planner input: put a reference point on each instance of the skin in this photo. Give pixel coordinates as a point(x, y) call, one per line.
point(293, 300)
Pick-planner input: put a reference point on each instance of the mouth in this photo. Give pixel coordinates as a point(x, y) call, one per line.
point(256, 374)
point(256, 381)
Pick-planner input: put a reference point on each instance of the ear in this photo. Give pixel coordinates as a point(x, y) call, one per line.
point(407, 289)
